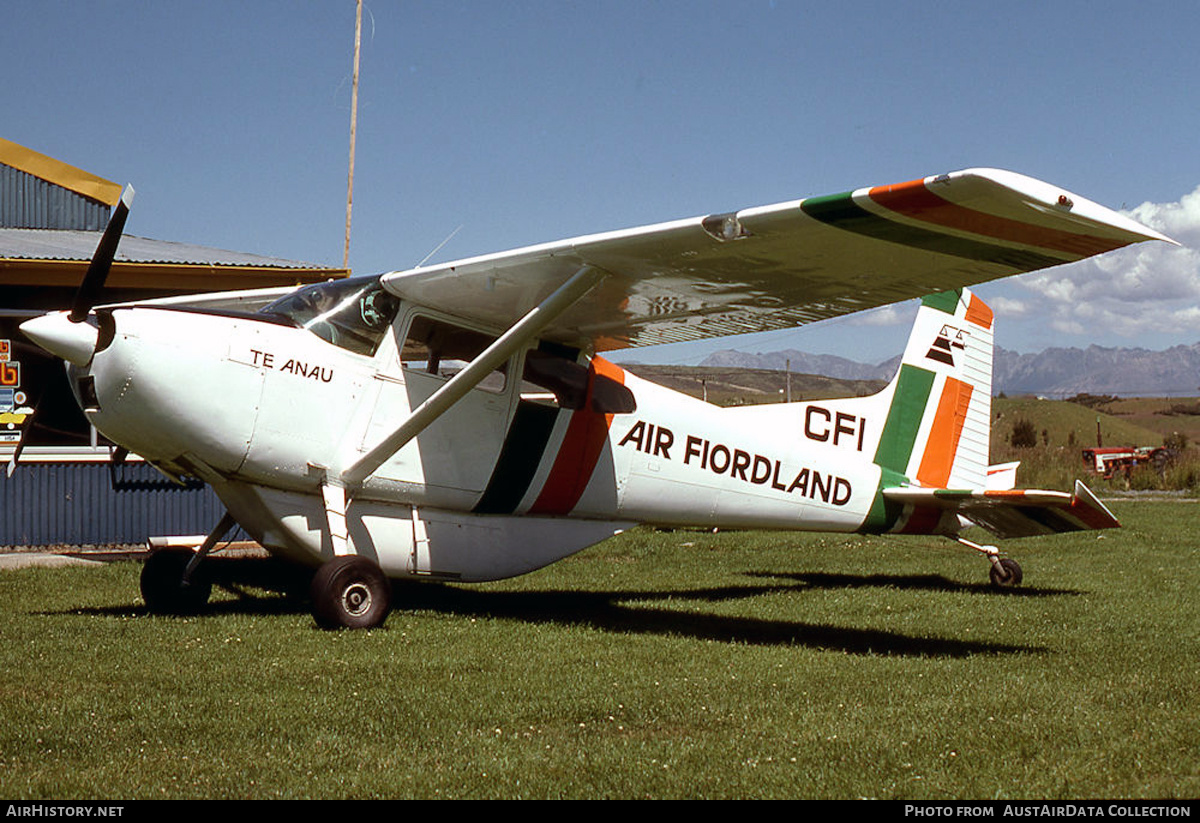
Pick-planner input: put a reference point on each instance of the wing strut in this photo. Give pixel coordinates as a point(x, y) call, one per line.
point(527, 328)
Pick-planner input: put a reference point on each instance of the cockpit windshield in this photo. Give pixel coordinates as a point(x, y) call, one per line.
point(353, 314)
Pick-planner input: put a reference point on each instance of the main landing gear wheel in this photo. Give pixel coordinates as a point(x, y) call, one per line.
point(1005, 573)
point(350, 592)
point(163, 586)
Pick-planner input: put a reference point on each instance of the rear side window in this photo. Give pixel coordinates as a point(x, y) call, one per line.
point(444, 349)
point(558, 381)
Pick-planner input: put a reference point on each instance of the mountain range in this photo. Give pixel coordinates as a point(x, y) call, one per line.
point(1056, 372)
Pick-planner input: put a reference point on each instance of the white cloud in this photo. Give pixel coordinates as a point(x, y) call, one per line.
point(898, 314)
point(1180, 221)
point(1147, 288)
point(1008, 307)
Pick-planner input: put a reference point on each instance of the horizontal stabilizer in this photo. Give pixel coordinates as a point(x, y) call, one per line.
point(1002, 476)
point(1008, 513)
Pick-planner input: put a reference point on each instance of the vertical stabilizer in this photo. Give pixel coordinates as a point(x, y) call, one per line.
point(938, 424)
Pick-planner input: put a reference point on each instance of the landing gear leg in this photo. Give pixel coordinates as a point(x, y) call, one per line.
point(1005, 572)
point(350, 591)
point(172, 582)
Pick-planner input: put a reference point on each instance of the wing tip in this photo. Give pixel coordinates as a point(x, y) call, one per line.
point(1053, 198)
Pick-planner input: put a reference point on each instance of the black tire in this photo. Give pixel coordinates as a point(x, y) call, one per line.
point(1007, 575)
point(350, 592)
point(163, 588)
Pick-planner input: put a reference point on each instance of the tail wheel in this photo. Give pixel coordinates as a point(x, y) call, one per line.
point(350, 592)
point(164, 589)
point(1006, 573)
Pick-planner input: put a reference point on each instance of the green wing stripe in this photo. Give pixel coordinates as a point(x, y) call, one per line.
point(841, 211)
point(904, 418)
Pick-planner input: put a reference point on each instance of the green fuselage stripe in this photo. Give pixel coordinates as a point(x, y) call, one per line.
point(884, 513)
point(904, 418)
point(913, 386)
point(841, 211)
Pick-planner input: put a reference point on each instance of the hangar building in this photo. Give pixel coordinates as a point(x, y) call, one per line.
point(66, 489)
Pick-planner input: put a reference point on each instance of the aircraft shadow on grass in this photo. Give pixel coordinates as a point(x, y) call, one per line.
point(621, 611)
point(915, 582)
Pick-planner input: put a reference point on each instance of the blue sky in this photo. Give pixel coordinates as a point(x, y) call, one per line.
point(525, 122)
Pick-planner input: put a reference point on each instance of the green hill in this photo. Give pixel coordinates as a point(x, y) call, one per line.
point(1062, 423)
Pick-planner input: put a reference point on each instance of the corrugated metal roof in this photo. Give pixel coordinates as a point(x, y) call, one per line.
point(55, 244)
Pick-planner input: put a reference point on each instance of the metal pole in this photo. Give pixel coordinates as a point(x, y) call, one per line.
point(353, 128)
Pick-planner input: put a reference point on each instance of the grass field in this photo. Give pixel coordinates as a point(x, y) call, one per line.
point(664, 665)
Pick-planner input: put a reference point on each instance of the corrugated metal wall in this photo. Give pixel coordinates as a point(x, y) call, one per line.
point(47, 504)
point(28, 202)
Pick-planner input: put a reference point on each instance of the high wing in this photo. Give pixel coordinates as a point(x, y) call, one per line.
point(785, 265)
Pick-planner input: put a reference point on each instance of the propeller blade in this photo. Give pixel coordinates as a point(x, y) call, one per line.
point(116, 459)
point(25, 432)
point(97, 273)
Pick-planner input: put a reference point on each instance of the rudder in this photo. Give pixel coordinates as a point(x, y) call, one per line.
point(938, 424)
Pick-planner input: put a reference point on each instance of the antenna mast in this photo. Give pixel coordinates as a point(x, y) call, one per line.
point(353, 126)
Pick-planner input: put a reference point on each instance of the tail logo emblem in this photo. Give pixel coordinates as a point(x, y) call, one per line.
point(948, 339)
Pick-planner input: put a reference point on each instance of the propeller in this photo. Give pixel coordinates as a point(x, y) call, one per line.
point(76, 341)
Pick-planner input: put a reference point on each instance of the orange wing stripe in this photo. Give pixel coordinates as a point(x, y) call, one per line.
point(913, 200)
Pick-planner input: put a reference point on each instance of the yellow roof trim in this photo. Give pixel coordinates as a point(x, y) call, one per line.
point(59, 173)
point(191, 277)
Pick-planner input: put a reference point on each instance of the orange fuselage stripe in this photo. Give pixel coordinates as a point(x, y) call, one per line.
point(586, 436)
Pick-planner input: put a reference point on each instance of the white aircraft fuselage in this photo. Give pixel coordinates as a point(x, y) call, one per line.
point(265, 411)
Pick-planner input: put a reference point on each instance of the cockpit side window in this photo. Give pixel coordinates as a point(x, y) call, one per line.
point(352, 314)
